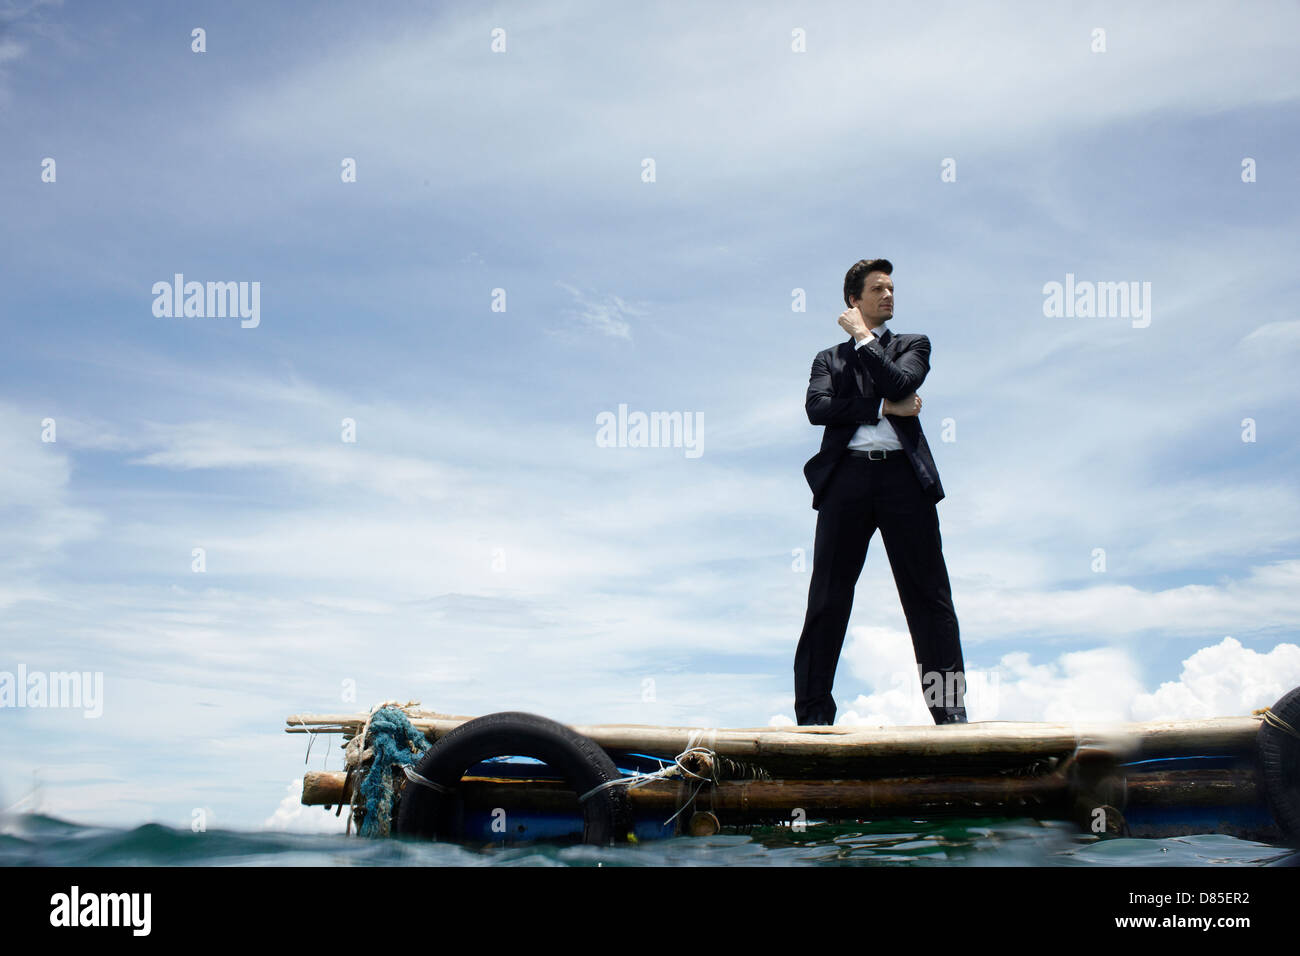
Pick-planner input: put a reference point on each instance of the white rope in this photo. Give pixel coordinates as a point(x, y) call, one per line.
point(311, 739)
point(639, 779)
point(1270, 717)
point(698, 787)
point(414, 777)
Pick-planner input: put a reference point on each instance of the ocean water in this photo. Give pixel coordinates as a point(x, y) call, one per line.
point(36, 840)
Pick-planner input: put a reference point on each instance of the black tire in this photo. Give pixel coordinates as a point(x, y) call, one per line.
point(1279, 767)
point(430, 814)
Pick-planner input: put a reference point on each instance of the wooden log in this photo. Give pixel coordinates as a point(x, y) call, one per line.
point(1192, 788)
point(752, 800)
point(857, 751)
point(703, 823)
point(325, 788)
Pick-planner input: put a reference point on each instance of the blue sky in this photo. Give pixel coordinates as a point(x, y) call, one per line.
point(475, 548)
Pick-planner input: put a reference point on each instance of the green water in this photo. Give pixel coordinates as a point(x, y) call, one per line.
point(33, 840)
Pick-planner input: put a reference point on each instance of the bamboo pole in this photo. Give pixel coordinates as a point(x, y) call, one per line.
point(325, 788)
point(751, 800)
point(850, 751)
point(1193, 788)
point(744, 800)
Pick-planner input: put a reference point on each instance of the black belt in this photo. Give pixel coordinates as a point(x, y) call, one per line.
point(877, 454)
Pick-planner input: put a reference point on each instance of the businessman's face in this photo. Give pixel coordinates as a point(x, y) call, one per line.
point(876, 304)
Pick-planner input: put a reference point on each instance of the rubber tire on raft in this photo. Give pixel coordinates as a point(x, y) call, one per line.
point(580, 761)
point(1279, 766)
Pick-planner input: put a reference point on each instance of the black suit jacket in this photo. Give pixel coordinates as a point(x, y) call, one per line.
point(845, 390)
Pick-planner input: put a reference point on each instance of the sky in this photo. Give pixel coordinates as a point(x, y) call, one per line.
point(476, 230)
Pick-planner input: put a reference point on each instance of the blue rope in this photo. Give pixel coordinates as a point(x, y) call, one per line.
point(1135, 763)
point(396, 743)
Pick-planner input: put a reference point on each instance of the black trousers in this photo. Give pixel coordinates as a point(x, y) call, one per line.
point(863, 495)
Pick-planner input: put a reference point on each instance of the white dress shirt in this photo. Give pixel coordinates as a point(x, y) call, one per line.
point(880, 437)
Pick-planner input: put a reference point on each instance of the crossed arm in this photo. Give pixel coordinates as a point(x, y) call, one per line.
point(894, 381)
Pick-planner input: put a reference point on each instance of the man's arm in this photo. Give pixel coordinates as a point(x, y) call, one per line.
point(825, 409)
point(895, 380)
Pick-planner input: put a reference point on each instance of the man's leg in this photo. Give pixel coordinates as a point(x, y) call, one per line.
point(909, 526)
point(844, 529)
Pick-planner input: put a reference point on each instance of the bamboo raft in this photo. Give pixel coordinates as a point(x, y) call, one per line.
point(1161, 778)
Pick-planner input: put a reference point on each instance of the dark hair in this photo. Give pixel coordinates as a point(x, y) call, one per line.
point(858, 272)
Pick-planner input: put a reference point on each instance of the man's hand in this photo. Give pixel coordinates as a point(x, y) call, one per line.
point(906, 407)
point(851, 322)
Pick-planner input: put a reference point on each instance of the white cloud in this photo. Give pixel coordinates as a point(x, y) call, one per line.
point(10, 49)
point(1222, 680)
point(1272, 336)
point(292, 816)
point(1097, 685)
point(695, 94)
point(28, 21)
point(1266, 596)
point(37, 517)
point(606, 314)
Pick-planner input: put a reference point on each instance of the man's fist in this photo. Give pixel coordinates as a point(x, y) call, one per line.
point(907, 407)
point(851, 322)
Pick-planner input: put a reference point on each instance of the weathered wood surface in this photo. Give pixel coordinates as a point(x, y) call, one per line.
point(849, 751)
point(1193, 788)
point(748, 801)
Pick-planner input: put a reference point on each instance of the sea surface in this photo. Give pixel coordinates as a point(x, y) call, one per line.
point(36, 840)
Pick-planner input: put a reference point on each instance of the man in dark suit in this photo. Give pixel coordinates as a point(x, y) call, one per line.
point(874, 470)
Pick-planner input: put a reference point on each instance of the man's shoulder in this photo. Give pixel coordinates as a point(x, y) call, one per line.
point(906, 337)
point(826, 354)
